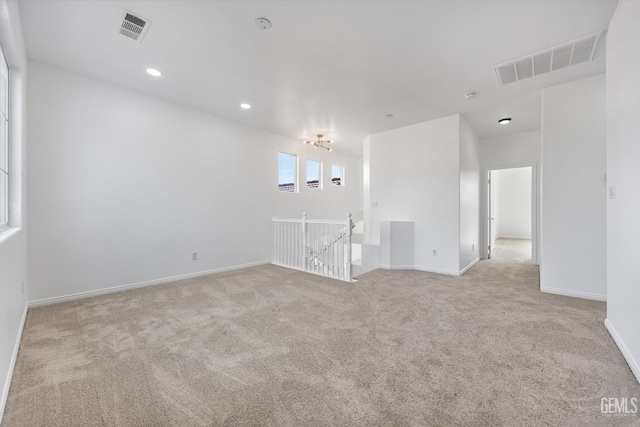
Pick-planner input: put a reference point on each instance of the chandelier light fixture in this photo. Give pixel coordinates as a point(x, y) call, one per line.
point(320, 142)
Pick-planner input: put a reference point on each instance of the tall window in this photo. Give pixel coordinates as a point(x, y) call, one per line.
point(337, 175)
point(4, 143)
point(287, 172)
point(314, 174)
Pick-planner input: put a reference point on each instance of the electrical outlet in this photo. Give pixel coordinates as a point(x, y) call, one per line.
point(194, 256)
point(435, 252)
point(473, 247)
point(374, 204)
point(612, 191)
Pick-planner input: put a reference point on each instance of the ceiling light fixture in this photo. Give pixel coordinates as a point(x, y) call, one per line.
point(245, 106)
point(153, 72)
point(389, 116)
point(470, 95)
point(505, 121)
point(320, 143)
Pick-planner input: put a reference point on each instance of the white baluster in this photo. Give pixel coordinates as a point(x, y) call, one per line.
point(325, 269)
point(277, 240)
point(305, 252)
point(336, 245)
point(289, 245)
point(300, 254)
point(315, 246)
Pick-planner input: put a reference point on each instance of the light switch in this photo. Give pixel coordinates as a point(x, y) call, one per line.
point(374, 204)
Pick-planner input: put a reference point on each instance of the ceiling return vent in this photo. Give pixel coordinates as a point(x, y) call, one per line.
point(132, 26)
point(561, 56)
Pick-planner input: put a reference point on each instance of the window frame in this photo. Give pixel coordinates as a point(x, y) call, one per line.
point(320, 166)
point(296, 167)
point(342, 173)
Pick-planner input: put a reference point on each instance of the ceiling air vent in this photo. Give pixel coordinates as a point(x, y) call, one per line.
point(561, 56)
point(132, 26)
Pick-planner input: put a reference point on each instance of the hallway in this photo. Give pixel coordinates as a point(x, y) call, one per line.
point(511, 250)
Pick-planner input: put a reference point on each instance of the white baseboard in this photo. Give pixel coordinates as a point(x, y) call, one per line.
point(402, 267)
point(437, 270)
point(429, 269)
point(575, 294)
point(471, 264)
point(635, 367)
point(81, 295)
point(12, 364)
point(396, 267)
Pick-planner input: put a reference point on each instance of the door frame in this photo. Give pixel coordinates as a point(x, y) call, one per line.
point(535, 205)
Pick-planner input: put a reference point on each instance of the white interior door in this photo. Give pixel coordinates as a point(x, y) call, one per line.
point(492, 206)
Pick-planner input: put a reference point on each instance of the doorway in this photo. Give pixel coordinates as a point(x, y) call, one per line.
point(511, 214)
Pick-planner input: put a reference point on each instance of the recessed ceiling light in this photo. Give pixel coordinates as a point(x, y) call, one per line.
point(245, 106)
point(153, 72)
point(505, 120)
point(389, 116)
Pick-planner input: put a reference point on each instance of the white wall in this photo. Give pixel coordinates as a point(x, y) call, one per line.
point(13, 241)
point(123, 187)
point(513, 190)
point(511, 150)
point(521, 149)
point(366, 197)
point(469, 195)
point(573, 234)
point(623, 152)
point(330, 202)
point(397, 245)
point(413, 175)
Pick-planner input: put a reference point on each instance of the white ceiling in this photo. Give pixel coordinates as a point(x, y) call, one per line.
point(332, 67)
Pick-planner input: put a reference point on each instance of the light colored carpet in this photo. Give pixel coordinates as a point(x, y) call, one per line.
point(271, 346)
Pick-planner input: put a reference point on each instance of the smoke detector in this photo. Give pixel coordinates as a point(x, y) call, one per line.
point(263, 23)
point(132, 26)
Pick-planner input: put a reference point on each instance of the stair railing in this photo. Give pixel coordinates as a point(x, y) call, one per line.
point(316, 246)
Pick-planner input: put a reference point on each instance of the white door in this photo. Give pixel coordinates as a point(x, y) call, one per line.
point(492, 211)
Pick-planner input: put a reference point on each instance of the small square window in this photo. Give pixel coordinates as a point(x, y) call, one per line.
point(287, 172)
point(337, 175)
point(314, 174)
